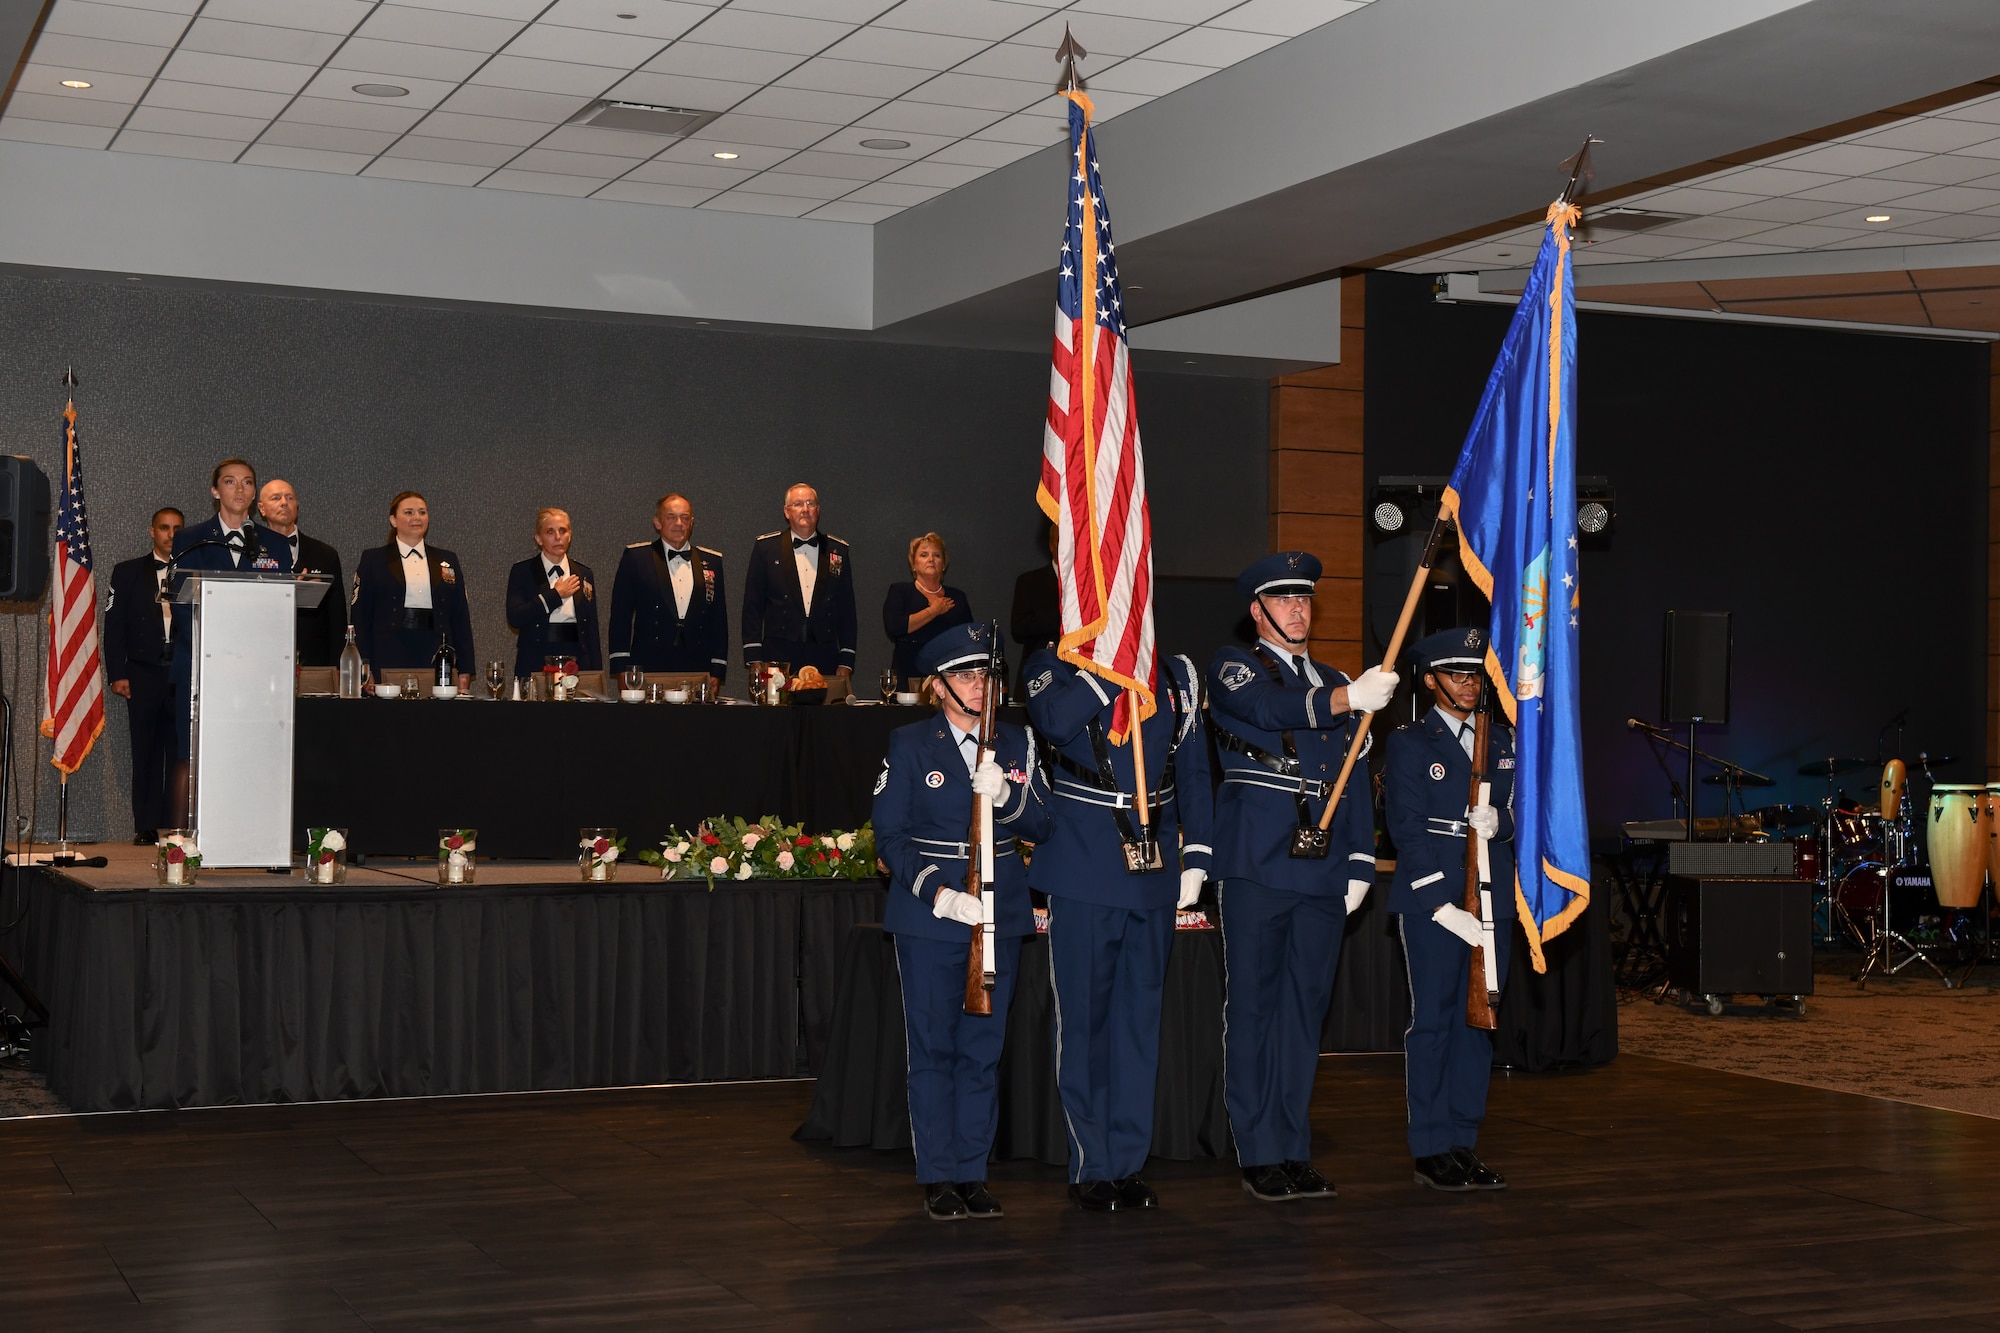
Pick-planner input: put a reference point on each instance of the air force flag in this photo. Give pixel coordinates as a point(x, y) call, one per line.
point(1513, 495)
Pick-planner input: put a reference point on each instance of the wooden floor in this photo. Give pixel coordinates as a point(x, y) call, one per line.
point(1646, 1195)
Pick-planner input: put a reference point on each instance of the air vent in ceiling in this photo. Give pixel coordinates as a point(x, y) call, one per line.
point(606, 114)
point(1601, 223)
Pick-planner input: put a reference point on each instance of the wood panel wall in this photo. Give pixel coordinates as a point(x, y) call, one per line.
point(1993, 564)
point(1317, 489)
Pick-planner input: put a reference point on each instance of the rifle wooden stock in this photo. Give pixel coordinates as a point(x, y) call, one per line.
point(978, 998)
point(1478, 1008)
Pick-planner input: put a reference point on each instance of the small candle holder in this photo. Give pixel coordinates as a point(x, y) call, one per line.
point(598, 850)
point(177, 859)
point(456, 862)
point(561, 672)
point(326, 856)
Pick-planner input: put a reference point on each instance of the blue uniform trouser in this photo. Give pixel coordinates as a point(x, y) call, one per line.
point(1106, 967)
point(954, 1056)
point(1279, 949)
point(1446, 1062)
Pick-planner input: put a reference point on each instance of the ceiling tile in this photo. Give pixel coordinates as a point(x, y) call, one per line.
point(1101, 34)
point(778, 205)
point(1150, 78)
point(803, 104)
point(185, 8)
point(1714, 229)
point(771, 133)
point(1027, 128)
point(1787, 210)
point(355, 115)
point(1109, 103)
point(770, 32)
point(541, 182)
point(843, 210)
point(1861, 190)
point(919, 50)
point(318, 15)
point(98, 54)
point(1650, 244)
point(117, 22)
point(1166, 11)
point(1724, 249)
point(516, 103)
point(1958, 226)
point(630, 191)
point(628, 144)
point(975, 91)
point(1846, 159)
point(849, 141)
point(710, 178)
point(407, 60)
point(304, 159)
point(435, 27)
point(482, 129)
point(735, 63)
point(271, 76)
point(20, 129)
point(69, 110)
point(1943, 169)
point(546, 76)
point(209, 97)
point(1989, 149)
point(681, 90)
point(339, 84)
point(1284, 18)
point(1768, 180)
point(924, 118)
point(1930, 134)
point(933, 172)
point(104, 86)
point(260, 41)
point(842, 11)
point(585, 46)
point(329, 138)
point(175, 145)
point(701, 152)
point(202, 124)
point(827, 75)
point(1690, 199)
point(990, 19)
point(1010, 60)
point(505, 9)
point(983, 153)
point(412, 169)
point(649, 18)
point(1954, 199)
point(844, 166)
point(599, 165)
point(1807, 238)
point(882, 192)
point(796, 187)
point(464, 151)
point(1985, 110)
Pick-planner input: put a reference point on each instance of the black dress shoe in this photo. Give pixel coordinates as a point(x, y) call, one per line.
point(979, 1201)
point(1136, 1193)
point(145, 838)
point(1309, 1182)
point(1442, 1171)
point(1477, 1174)
point(1095, 1196)
point(943, 1204)
point(1272, 1184)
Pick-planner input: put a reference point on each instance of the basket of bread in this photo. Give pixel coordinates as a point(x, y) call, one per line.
point(808, 687)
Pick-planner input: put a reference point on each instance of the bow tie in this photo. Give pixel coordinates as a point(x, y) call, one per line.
point(158, 564)
point(556, 572)
point(235, 538)
point(680, 555)
point(413, 555)
point(806, 543)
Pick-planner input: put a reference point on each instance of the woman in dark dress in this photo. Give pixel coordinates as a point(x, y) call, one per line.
point(916, 612)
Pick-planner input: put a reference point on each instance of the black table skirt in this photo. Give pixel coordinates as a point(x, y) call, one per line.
point(164, 999)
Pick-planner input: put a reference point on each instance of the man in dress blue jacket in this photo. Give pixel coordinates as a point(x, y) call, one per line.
point(798, 593)
point(552, 601)
point(138, 653)
point(668, 608)
point(1448, 1062)
point(1111, 908)
point(923, 805)
point(1282, 723)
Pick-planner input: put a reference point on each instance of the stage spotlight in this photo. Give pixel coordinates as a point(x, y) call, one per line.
point(1389, 517)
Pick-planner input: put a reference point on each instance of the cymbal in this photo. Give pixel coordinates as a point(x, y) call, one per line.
point(1934, 760)
point(1820, 768)
point(1742, 780)
point(1786, 816)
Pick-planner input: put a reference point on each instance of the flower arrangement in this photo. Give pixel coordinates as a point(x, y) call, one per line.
point(455, 849)
point(324, 862)
point(737, 849)
point(597, 853)
point(178, 857)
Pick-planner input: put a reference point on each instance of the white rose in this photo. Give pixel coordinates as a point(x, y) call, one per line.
point(671, 854)
point(682, 846)
point(470, 846)
point(719, 866)
point(610, 854)
point(828, 842)
point(569, 682)
point(784, 860)
point(745, 870)
point(846, 842)
point(460, 859)
point(332, 841)
point(751, 839)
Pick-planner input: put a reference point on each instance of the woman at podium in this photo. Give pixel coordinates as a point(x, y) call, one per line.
point(407, 594)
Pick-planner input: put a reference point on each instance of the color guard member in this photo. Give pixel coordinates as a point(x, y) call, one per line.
point(923, 801)
point(552, 601)
point(1111, 908)
point(668, 609)
point(1448, 1062)
point(798, 593)
point(407, 593)
point(138, 658)
point(1282, 724)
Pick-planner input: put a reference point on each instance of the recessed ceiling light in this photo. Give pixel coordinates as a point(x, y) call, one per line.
point(628, 16)
point(726, 157)
point(885, 144)
point(1878, 217)
point(1503, 254)
point(380, 90)
point(76, 83)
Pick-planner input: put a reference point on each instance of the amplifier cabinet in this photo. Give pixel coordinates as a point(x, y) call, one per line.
point(1738, 934)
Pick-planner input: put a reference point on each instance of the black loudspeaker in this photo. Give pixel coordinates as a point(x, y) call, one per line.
point(1738, 936)
point(24, 529)
point(1694, 668)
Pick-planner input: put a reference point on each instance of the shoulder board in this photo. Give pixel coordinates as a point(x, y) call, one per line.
point(633, 546)
point(709, 550)
point(1407, 726)
point(766, 536)
point(830, 537)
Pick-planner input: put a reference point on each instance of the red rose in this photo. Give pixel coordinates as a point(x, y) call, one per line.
point(802, 842)
point(600, 847)
point(325, 857)
point(711, 840)
point(833, 857)
point(175, 855)
point(454, 842)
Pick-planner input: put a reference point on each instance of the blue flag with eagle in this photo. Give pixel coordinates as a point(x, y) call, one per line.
point(1513, 495)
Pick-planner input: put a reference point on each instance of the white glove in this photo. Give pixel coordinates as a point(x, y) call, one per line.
point(1485, 821)
point(1458, 921)
point(989, 781)
point(951, 905)
point(1191, 882)
point(1357, 889)
point(1371, 690)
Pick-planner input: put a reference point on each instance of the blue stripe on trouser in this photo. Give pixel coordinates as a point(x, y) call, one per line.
point(1280, 949)
point(954, 1057)
point(1447, 1063)
point(1107, 966)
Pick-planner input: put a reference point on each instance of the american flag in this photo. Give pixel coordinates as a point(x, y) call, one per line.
point(1093, 473)
point(75, 716)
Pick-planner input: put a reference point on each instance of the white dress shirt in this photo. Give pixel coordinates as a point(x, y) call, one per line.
point(1462, 730)
point(680, 573)
point(237, 538)
point(968, 746)
point(808, 562)
point(166, 607)
point(564, 614)
point(416, 575)
point(1300, 662)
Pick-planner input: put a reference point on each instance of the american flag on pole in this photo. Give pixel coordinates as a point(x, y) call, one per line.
point(1093, 473)
point(75, 714)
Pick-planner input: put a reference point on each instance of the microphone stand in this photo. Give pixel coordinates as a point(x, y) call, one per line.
point(1735, 772)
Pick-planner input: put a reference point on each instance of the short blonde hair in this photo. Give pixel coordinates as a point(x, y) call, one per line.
point(541, 515)
point(932, 539)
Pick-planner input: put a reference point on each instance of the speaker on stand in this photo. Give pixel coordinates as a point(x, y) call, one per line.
point(1694, 681)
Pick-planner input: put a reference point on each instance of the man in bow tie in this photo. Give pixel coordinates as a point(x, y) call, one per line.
point(552, 601)
point(322, 629)
point(668, 609)
point(798, 593)
point(138, 651)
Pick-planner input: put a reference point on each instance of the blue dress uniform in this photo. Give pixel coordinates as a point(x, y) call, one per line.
point(777, 625)
point(531, 600)
point(393, 637)
point(647, 628)
point(1110, 930)
point(138, 651)
point(1280, 746)
point(923, 800)
point(1429, 771)
point(272, 555)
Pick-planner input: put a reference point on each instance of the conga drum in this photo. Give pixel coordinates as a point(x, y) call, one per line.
point(1895, 777)
point(1992, 812)
point(1958, 828)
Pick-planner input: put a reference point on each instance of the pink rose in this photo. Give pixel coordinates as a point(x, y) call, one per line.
point(784, 860)
point(719, 866)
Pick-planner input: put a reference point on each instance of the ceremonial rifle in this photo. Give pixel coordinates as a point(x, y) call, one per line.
point(979, 976)
point(1480, 998)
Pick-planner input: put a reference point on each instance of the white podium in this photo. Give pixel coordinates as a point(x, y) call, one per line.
point(240, 780)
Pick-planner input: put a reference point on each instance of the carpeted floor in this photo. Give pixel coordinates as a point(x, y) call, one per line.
point(24, 1093)
point(1907, 1039)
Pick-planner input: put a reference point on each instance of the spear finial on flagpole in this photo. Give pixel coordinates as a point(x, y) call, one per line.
point(1579, 169)
point(69, 377)
point(1067, 55)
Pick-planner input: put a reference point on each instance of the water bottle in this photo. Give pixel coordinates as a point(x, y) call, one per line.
point(444, 664)
point(350, 668)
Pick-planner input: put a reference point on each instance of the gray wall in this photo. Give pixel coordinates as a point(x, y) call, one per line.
point(492, 414)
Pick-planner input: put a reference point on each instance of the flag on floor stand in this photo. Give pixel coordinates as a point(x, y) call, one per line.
point(74, 716)
point(1513, 495)
point(1093, 472)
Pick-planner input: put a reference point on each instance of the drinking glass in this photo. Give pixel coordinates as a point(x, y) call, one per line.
point(889, 685)
point(409, 687)
point(496, 678)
